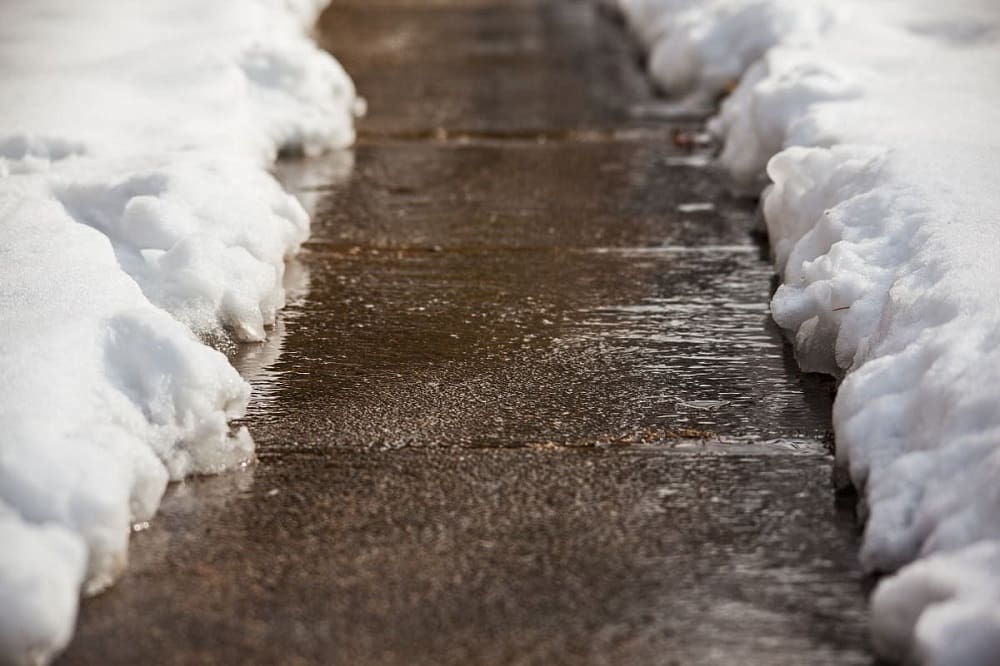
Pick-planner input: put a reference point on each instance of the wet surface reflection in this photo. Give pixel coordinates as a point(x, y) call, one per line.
point(479, 296)
point(526, 404)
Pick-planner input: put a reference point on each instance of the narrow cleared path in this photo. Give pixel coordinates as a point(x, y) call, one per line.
point(526, 405)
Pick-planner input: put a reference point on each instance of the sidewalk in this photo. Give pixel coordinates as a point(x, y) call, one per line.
point(521, 408)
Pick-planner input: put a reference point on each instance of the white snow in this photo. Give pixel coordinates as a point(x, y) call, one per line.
point(876, 124)
point(138, 220)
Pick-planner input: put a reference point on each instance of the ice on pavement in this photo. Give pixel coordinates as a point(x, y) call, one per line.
point(875, 122)
point(138, 220)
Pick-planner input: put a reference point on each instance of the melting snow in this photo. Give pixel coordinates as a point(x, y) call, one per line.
point(137, 219)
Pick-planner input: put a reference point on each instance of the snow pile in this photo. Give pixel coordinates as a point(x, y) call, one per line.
point(137, 220)
point(876, 123)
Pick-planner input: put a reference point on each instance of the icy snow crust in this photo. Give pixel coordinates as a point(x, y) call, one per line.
point(876, 124)
point(137, 220)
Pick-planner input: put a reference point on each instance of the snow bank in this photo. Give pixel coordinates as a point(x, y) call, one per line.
point(875, 121)
point(137, 221)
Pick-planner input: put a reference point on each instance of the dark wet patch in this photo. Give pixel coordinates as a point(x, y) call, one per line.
point(484, 66)
point(492, 556)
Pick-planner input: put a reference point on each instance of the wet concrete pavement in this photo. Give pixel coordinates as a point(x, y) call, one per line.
point(521, 409)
